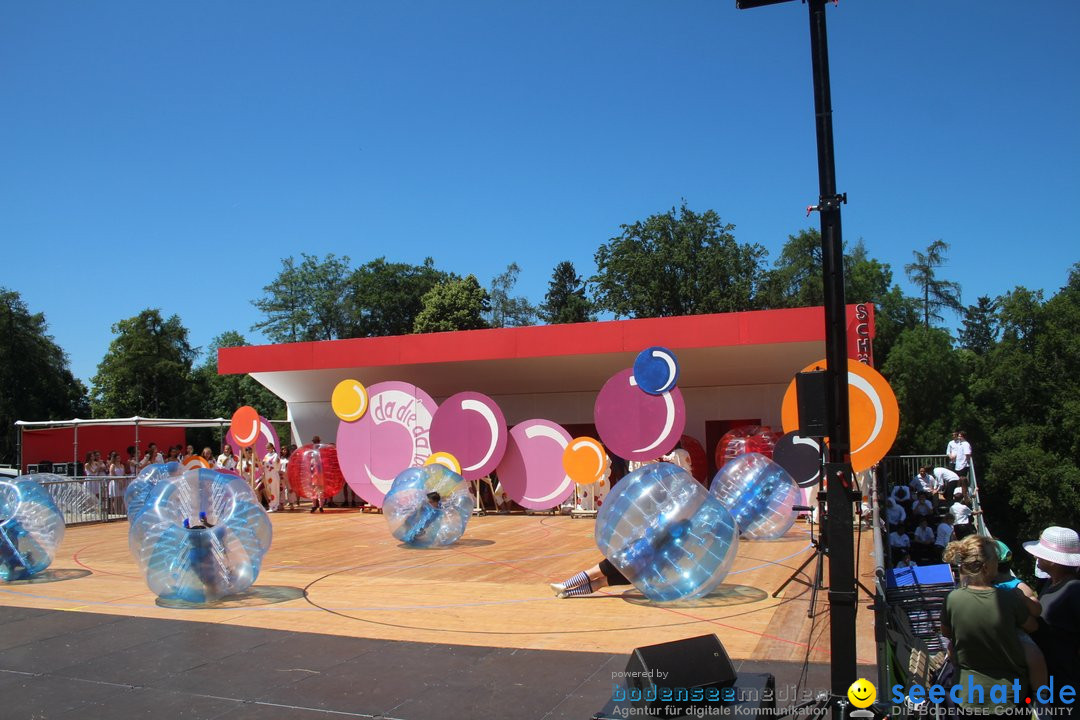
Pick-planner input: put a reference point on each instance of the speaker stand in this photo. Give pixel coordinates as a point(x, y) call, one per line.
point(818, 581)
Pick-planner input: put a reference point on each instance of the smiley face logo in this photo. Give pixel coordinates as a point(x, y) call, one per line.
point(862, 693)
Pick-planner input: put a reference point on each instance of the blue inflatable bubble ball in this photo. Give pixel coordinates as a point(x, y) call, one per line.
point(200, 536)
point(666, 533)
point(759, 493)
point(31, 527)
point(138, 489)
point(428, 506)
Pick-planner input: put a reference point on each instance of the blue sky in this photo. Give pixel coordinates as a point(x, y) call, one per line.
point(168, 155)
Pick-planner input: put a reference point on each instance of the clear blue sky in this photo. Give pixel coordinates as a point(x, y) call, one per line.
point(168, 155)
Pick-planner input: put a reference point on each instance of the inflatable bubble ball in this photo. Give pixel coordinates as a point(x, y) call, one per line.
point(428, 506)
point(31, 526)
point(200, 536)
point(759, 494)
point(666, 533)
point(315, 467)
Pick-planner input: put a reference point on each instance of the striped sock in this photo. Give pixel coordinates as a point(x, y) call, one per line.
point(582, 578)
point(580, 590)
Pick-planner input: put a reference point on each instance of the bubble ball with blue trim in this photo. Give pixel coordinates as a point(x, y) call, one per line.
point(666, 533)
point(759, 493)
point(31, 526)
point(428, 506)
point(138, 489)
point(200, 536)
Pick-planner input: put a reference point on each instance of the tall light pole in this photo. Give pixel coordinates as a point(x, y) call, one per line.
point(841, 553)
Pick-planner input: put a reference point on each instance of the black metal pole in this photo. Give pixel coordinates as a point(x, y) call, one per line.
point(842, 594)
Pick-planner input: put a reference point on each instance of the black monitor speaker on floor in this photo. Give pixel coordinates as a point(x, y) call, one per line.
point(668, 679)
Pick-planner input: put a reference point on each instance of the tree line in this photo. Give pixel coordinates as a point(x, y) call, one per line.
point(1008, 374)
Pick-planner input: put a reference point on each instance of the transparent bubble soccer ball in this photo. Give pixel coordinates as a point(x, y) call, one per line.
point(428, 506)
point(666, 533)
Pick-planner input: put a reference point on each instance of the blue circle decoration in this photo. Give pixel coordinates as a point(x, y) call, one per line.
point(656, 370)
point(31, 527)
point(428, 506)
point(666, 533)
point(200, 535)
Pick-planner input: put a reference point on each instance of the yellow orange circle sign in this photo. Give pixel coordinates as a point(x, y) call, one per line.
point(447, 460)
point(585, 460)
point(874, 416)
point(350, 400)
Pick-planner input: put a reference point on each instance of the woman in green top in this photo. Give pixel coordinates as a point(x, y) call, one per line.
point(981, 622)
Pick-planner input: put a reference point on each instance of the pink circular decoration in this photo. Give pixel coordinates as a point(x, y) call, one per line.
point(312, 465)
point(532, 470)
point(745, 439)
point(267, 435)
point(394, 434)
point(635, 425)
point(471, 427)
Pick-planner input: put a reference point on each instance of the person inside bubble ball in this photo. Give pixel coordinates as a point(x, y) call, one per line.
point(318, 482)
point(421, 518)
point(639, 555)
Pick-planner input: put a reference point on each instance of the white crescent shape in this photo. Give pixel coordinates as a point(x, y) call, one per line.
point(267, 433)
point(670, 361)
point(381, 484)
point(595, 450)
point(485, 412)
point(552, 434)
point(800, 440)
point(879, 412)
point(249, 438)
point(669, 422)
point(445, 462)
point(360, 409)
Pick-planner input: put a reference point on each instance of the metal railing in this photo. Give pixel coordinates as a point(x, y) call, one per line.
point(90, 499)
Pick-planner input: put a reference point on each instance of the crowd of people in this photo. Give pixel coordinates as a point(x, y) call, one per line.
point(935, 507)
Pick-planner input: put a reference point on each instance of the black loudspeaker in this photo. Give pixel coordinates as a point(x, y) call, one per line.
point(670, 678)
point(811, 392)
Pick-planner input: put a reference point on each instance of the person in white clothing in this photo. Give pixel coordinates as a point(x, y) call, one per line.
point(962, 514)
point(226, 460)
point(959, 452)
point(271, 463)
point(947, 481)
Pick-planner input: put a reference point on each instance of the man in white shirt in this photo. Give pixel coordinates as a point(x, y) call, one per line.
point(925, 482)
point(894, 514)
point(923, 545)
point(944, 534)
point(963, 523)
point(947, 481)
point(959, 452)
point(901, 494)
point(922, 507)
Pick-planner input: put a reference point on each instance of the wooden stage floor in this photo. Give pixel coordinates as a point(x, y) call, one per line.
point(341, 573)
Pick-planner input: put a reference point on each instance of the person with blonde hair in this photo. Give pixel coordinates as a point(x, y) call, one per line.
point(981, 622)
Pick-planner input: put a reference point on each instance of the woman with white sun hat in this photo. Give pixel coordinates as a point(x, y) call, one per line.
point(1058, 553)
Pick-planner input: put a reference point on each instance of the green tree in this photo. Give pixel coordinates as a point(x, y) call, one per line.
point(980, 329)
point(306, 301)
point(795, 279)
point(936, 294)
point(384, 298)
point(928, 376)
point(35, 380)
point(507, 310)
point(565, 301)
point(677, 263)
point(457, 304)
point(223, 394)
point(147, 370)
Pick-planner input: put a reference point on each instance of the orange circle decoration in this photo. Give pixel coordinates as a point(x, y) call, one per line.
point(245, 426)
point(585, 461)
point(447, 460)
point(194, 462)
point(874, 416)
point(350, 400)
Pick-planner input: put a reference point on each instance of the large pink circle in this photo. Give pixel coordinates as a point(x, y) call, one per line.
point(394, 434)
point(634, 424)
point(471, 427)
point(531, 471)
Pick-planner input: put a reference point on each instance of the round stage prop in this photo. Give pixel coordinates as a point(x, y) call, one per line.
point(201, 536)
point(634, 424)
point(666, 533)
point(759, 494)
point(428, 506)
point(312, 466)
point(31, 526)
